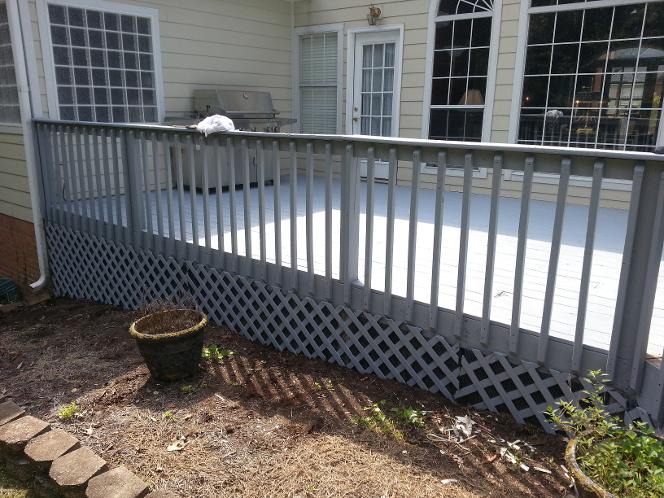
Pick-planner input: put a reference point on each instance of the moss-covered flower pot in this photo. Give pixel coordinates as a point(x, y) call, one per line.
point(586, 487)
point(171, 342)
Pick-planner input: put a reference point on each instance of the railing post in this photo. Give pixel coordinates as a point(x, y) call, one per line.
point(639, 276)
point(135, 221)
point(350, 221)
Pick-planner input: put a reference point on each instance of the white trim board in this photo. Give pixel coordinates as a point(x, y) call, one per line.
point(350, 72)
point(295, 68)
point(105, 6)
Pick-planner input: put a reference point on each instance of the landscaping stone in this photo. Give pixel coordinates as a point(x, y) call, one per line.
point(73, 470)
point(9, 411)
point(117, 483)
point(16, 434)
point(44, 449)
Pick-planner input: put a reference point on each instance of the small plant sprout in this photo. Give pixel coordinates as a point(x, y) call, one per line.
point(409, 416)
point(214, 353)
point(168, 415)
point(69, 411)
point(187, 389)
point(377, 421)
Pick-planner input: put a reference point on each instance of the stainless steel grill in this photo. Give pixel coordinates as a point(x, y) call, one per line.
point(250, 111)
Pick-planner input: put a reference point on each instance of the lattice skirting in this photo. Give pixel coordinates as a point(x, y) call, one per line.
point(86, 267)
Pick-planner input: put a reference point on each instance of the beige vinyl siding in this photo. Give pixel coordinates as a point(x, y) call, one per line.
point(14, 191)
point(213, 43)
point(502, 102)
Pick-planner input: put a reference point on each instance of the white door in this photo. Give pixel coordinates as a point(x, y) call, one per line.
point(376, 74)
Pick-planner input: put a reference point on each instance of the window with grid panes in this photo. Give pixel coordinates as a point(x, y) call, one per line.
point(104, 65)
point(594, 74)
point(460, 68)
point(9, 105)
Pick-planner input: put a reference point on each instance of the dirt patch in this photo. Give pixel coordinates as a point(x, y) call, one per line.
point(256, 422)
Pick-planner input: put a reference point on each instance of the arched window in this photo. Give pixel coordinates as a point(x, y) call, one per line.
point(460, 69)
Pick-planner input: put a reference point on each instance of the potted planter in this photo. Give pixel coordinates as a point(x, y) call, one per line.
point(585, 486)
point(170, 341)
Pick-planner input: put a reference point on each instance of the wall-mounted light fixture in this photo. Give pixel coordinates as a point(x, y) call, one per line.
point(373, 15)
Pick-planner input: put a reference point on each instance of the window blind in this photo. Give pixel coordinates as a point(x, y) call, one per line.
point(318, 83)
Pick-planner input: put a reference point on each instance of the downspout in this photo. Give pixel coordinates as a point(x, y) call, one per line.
point(26, 108)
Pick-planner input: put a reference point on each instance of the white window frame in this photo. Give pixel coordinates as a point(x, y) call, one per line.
point(13, 127)
point(520, 64)
point(104, 6)
point(298, 33)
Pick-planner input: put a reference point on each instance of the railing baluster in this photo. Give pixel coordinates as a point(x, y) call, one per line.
point(389, 230)
point(156, 164)
point(412, 233)
point(637, 185)
point(309, 200)
point(164, 140)
point(115, 136)
point(59, 162)
point(149, 233)
point(206, 196)
point(220, 201)
point(98, 198)
point(260, 159)
point(230, 155)
point(577, 353)
point(293, 213)
point(108, 192)
point(276, 158)
point(70, 170)
point(521, 255)
point(90, 174)
point(80, 197)
point(182, 216)
point(246, 197)
point(328, 219)
point(463, 242)
point(497, 173)
point(368, 242)
point(437, 239)
point(554, 256)
point(649, 289)
point(191, 156)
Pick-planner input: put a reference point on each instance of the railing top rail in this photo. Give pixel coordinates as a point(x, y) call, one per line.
point(388, 141)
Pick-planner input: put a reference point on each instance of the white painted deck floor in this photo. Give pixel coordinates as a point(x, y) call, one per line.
point(605, 273)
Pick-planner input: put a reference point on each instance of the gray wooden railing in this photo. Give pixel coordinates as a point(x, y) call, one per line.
point(109, 180)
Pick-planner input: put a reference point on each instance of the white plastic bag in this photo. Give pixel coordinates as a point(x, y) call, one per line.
point(215, 124)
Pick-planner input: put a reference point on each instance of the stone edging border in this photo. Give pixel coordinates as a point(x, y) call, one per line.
point(29, 446)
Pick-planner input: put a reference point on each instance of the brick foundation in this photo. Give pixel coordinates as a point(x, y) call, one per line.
point(18, 250)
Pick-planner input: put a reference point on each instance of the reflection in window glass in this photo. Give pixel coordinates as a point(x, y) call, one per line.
point(460, 67)
point(593, 76)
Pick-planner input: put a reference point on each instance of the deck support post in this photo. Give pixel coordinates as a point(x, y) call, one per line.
point(639, 276)
point(350, 221)
point(132, 180)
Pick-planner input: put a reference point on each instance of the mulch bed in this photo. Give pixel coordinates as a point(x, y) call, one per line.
point(258, 423)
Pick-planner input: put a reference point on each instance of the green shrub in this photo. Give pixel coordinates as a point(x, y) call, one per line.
point(625, 461)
